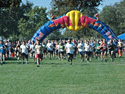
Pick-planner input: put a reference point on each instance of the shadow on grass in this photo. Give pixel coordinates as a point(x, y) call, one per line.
point(53, 63)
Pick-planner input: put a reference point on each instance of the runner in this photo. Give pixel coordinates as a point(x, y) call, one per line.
point(80, 50)
point(120, 46)
point(61, 50)
point(104, 50)
point(97, 49)
point(39, 52)
point(2, 52)
point(111, 48)
point(24, 50)
point(69, 50)
point(50, 49)
point(87, 51)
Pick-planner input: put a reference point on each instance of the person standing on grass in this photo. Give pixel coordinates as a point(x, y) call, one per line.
point(50, 49)
point(80, 50)
point(70, 51)
point(39, 53)
point(2, 52)
point(24, 51)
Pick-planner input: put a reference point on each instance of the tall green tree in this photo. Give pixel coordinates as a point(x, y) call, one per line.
point(60, 7)
point(8, 3)
point(87, 7)
point(9, 17)
point(114, 17)
point(37, 17)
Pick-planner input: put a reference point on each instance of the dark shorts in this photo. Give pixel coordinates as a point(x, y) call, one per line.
point(91, 53)
point(32, 52)
point(98, 52)
point(88, 53)
point(70, 55)
point(120, 48)
point(111, 51)
point(81, 53)
point(44, 51)
point(51, 52)
point(56, 51)
point(104, 51)
point(24, 55)
point(61, 53)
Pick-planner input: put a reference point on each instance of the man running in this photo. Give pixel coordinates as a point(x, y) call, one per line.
point(80, 50)
point(69, 50)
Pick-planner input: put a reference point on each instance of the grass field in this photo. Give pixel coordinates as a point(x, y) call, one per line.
point(59, 77)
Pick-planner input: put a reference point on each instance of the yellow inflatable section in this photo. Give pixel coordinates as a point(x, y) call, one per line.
point(74, 16)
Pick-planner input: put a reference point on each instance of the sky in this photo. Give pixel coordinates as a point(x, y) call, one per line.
point(46, 3)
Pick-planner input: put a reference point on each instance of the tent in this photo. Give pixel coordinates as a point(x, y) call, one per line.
point(122, 36)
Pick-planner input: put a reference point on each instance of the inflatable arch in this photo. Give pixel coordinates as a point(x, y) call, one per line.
point(75, 21)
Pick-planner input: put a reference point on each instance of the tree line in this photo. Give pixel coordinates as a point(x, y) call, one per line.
point(20, 21)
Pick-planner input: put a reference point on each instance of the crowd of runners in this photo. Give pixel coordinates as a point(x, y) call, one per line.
point(61, 49)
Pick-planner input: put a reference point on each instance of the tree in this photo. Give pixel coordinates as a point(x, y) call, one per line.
point(87, 7)
point(8, 3)
point(9, 17)
point(37, 17)
point(114, 17)
point(56, 35)
point(60, 7)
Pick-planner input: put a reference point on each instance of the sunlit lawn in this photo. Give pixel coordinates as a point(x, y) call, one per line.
point(59, 77)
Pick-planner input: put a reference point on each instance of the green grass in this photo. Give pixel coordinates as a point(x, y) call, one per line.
point(59, 77)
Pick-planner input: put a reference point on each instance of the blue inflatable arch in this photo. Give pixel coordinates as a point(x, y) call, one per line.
point(65, 21)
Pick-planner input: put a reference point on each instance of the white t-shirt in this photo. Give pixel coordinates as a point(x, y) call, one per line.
point(87, 48)
point(50, 46)
point(38, 49)
point(69, 48)
point(120, 44)
point(80, 47)
point(24, 49)
point(32, 47)
point(85, 44)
